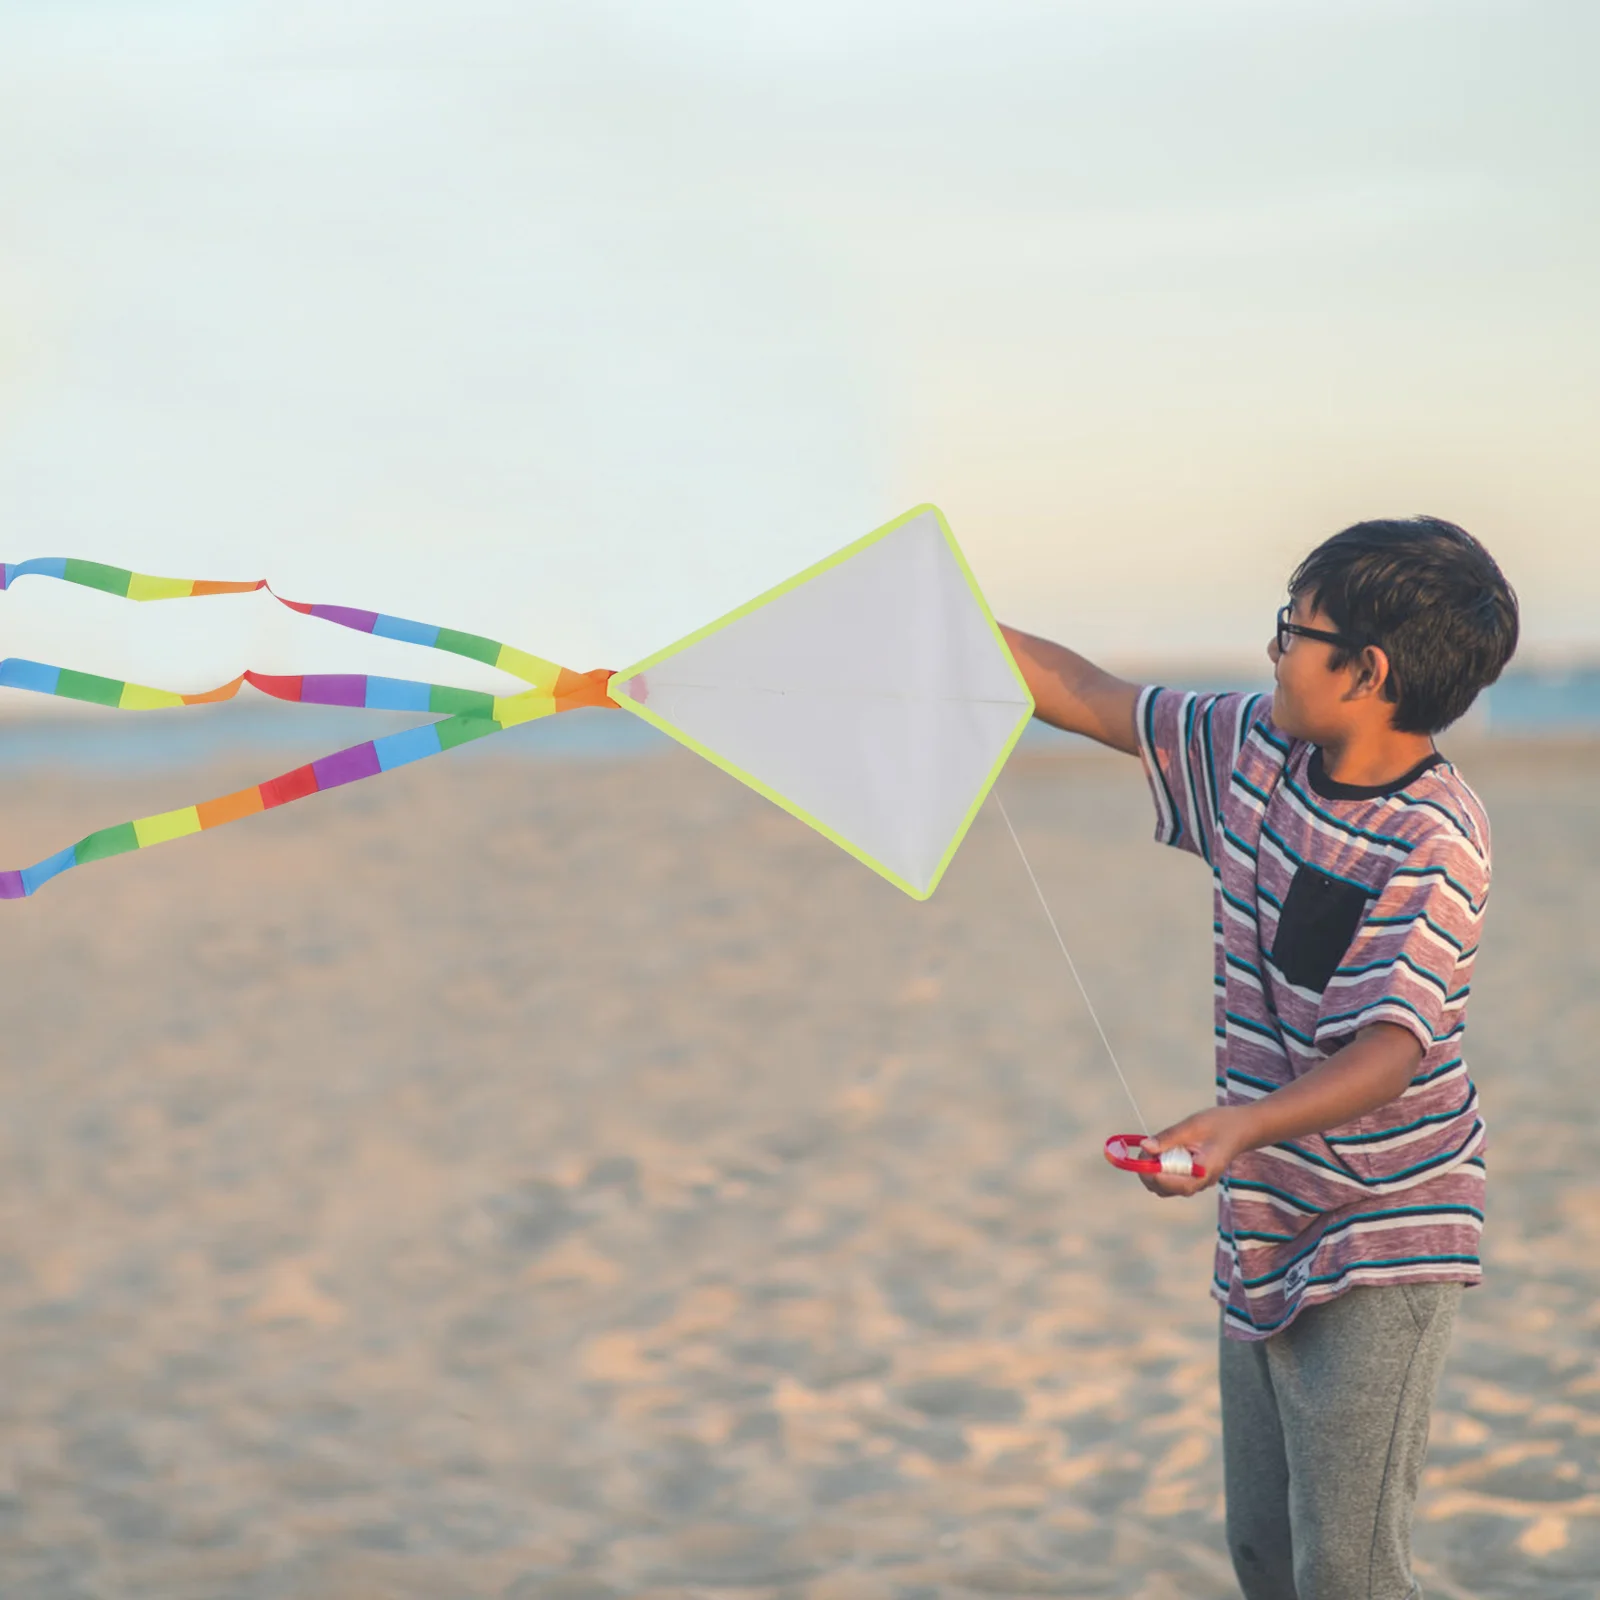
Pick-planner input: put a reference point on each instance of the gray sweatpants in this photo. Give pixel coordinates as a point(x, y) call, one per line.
point(1324, 1428)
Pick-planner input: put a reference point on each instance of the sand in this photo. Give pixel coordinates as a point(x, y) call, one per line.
point(578, 1180)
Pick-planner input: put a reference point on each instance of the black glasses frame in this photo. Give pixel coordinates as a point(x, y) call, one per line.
point(1288, 630)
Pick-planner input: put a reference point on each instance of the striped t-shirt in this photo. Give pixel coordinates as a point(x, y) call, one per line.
point(1335, 907)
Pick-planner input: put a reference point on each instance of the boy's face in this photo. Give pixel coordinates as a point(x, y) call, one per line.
point(1312, 700)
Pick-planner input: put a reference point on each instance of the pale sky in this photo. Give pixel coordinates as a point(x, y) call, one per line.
point(579, 324)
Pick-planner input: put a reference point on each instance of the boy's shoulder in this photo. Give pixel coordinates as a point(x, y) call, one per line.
point(1435, 818)
point(1441, 805)
point(1432, 816)
point(1436, 813)
point(1223, 720)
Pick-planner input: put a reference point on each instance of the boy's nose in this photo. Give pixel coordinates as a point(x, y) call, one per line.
point(1272, 651)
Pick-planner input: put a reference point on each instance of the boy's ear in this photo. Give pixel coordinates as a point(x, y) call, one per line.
point(1372, 671)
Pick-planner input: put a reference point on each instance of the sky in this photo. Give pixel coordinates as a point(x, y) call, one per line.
point(579, 324)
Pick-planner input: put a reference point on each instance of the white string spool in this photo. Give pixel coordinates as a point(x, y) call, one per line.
point(1177, 1163)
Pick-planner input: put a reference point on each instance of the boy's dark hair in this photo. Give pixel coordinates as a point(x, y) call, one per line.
point(1430, 597)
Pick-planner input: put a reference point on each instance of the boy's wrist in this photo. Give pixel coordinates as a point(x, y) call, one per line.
point(1252, 1127)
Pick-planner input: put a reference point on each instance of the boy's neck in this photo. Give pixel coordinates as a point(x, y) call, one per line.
point(1370, 757)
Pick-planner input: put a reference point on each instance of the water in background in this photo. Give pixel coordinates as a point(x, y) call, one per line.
point(1530, 702)
point(1546, 701)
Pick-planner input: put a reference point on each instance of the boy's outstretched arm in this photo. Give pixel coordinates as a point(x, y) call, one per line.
point(1074, 694)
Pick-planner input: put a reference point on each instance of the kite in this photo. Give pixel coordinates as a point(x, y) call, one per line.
point(871, 695)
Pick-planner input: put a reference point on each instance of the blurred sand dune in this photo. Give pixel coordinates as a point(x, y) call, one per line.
point(580, 1180)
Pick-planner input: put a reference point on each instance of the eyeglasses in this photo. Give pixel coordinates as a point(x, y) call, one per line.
point(1288, 630)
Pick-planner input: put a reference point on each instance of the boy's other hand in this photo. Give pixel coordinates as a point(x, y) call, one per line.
point(1214, 1136)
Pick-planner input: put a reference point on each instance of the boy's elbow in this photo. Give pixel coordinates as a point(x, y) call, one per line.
point(1399, 1053)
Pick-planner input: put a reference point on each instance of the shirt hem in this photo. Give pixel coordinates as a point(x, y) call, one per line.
point(1468, 1278)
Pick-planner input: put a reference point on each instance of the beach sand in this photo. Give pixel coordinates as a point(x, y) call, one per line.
point(575, 1180)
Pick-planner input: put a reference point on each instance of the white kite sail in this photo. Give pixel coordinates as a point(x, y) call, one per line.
point(872, 696)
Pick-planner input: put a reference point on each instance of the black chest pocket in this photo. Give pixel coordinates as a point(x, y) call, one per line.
point(1320, 918)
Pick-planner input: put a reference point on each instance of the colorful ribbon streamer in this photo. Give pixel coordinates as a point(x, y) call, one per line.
point(466, 714)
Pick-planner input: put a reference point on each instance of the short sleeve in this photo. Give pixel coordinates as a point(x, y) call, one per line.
point(1190, 744)
point(1410, 962)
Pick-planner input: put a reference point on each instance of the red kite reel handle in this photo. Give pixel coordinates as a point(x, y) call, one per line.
point(1126, 1150)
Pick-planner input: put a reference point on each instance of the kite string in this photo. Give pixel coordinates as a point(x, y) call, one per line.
point(1072, 966)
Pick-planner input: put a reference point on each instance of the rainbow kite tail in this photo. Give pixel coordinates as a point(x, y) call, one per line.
point(465, 714)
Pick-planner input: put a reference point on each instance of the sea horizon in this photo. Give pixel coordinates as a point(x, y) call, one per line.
point(1536, 701)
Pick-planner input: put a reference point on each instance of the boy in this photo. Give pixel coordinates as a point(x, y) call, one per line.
point(1350, 866)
